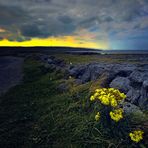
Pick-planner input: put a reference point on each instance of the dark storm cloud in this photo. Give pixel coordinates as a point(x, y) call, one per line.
point(31, 31)
point(43, 18)
point(12, 15)
point(65, 19)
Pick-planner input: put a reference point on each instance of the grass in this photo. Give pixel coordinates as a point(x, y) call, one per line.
point(115, 58)
point(36, 115)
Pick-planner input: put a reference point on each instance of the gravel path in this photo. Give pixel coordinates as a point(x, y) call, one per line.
point(11, 72)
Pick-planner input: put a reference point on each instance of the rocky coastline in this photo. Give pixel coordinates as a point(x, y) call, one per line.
point(132, 79)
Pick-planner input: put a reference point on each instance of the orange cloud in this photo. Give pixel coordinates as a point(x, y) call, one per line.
point(2, 30)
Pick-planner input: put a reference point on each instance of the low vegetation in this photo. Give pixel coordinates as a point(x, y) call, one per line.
point(108, 58)
point(36, 114)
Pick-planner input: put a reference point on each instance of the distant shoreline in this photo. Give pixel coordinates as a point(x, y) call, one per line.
point(67, 50)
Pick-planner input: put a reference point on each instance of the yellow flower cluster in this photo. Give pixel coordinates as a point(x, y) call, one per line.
point(112, 97)
point(116, 114)
point(108, 96)
point(97, 117)
point(136, 136)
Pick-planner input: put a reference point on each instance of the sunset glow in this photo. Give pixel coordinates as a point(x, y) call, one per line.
point(67, 41)
point(99, 24)
point(2, 30)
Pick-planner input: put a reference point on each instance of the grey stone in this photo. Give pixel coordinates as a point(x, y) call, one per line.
point(145, 84)
point(96, 71)
point(143, 100)
point(43, 58)
point(78, 81)
point(51, 67)
point(90, 72)
point(121, 83)
point(129, 78)
point(143, 103)
point(142, 67)
point(77, 71)
point(63, 87)
point(130, 108)
point(106, 78)
point(123, 70)
point(50, 61)
point(133, 95)
point(59, 62)
point(137, 76)
point(86, 76)
point(134, 112)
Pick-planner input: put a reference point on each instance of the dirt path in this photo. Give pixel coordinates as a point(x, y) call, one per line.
point(11, 72)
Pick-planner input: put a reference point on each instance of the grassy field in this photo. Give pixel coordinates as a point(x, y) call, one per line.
point(110, 58)
point(36, 115)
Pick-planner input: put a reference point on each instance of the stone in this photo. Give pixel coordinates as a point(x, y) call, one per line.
point(86, 76)
point(63, 87)
point(145, 84)
point(143, 100)
point(106, 78)
point(50, 61)
point(43, 58)
point(121, 83)
point(78, 81)
point(52, 57)
point(90, 72)
point(46, 58)
point(136, 76)
point(50, 67)
point(123, 70)
point(134, 112)
point(131, 79)
point(139, 77)
point(142, 67)
point(130, 108)
point(133, 95)
point(96, 71)
point(77, 71)
point(59, 62)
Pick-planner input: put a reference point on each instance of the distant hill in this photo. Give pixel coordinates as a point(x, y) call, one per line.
point(68, 50)
point(15, 50)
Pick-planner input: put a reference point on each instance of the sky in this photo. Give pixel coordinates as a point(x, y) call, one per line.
point(100, 24)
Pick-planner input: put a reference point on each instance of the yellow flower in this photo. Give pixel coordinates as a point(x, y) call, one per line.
point(113, 102)
point(97, 90)
point(108, 96)
point(111, 89)
point(116, 114)
point(92, 98)
point(136, 136)
point(105, 100)
point(97, 116)
point(96, 94)
point(123, 95)
point(102, 93)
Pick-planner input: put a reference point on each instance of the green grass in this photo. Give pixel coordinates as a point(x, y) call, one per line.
point(76, 59)
point(115, 58)
point(36, 115)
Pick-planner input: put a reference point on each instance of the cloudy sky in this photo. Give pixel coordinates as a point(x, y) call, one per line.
point(105, 24)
